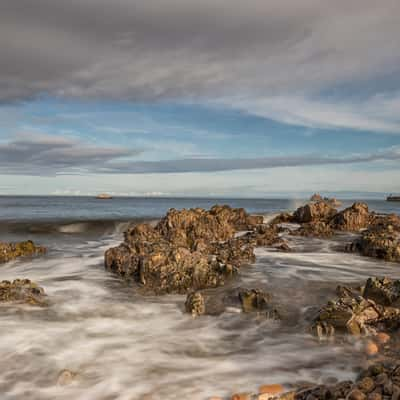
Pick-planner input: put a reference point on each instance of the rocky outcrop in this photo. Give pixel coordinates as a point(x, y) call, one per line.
point(11, 251)
point(352, 219)
point(313, 212)
point(380, 240)
point(247, 300)
point(375, 307)
point(188, 249)
point(22, 291)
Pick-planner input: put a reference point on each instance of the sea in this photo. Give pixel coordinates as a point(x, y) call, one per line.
point(125, 346)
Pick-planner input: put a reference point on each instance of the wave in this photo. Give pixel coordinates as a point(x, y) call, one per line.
point(90, 227)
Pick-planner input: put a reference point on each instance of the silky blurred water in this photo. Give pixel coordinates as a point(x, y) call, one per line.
point(128, 347)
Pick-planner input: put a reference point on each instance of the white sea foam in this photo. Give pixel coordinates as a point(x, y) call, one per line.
point(124, 346)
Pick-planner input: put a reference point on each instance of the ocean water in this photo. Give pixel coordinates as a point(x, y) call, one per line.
point(128, 347)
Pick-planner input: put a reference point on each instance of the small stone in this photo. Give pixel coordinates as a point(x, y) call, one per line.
point(371, 348)
point(382, 338)
point(374, 396)
point(356, 395)
point(215, 398)
point(272, 390)
point(241, 396)
point(66, 377)
point(366, 385)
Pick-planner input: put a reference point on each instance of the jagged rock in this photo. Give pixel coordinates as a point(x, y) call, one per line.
point(282, 218)
point(22, 291)
point(352, 219)
point(314, 229)
point(187, 250)
point(311, 212)
point(379, 241)
point(383, 291)
point(195, 304)
point(316, 197)
point(11, 251)
point(360, 314)
point(264, 235)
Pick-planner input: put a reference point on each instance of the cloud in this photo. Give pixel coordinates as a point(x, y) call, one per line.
point(300, 62)
point(44, 155)
point(38, 154)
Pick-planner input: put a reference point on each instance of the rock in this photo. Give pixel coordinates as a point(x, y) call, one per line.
point(382, 338)
point(381, 240)
point(241, 396)
point(356, 395)
point(314, 229)
point(383, 291)
point(215, 303)
point(316, 197)
point(282, 218)
point(272, 390)
point(22, 291)
point(312, 212)
point(366, 385)
point(360, 312)
point(66, 377)
point(352, 219)
point(11, 251)
point(374, 396)
point(188, 250)
point(371, 348)
point(195, 304)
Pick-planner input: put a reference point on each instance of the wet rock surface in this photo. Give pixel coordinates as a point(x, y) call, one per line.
point(381, 239)
point(11, 251)
point(22, 291)
point(375, 307)
point(240, 299)
point(189, 249)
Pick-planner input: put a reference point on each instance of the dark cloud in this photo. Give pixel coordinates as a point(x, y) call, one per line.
point(48, 155)
point(44, 155)
point(154, 48)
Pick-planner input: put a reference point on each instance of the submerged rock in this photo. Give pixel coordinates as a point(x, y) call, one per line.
point(242, 299)
point(22, 291)
point(11, 251)
point(187, 250)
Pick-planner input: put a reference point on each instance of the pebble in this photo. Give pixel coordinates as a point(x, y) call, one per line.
point(356, 395)
point(382, 338)
point(371, 348)
point(374, 396)
point(366, 385)
point(272, 390)
point(66, 377)
point(241, 396)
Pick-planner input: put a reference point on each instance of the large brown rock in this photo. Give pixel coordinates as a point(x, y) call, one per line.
point(187, 250)
point(22, 291)
point(11, 251)
point(352, 219)
point(315, 211)
point(380, 240)
point(314, 229)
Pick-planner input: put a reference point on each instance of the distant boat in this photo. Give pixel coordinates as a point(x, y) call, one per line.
point(104, 196)
point(393, 198)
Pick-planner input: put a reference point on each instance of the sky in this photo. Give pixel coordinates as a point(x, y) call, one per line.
point(199, 98)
